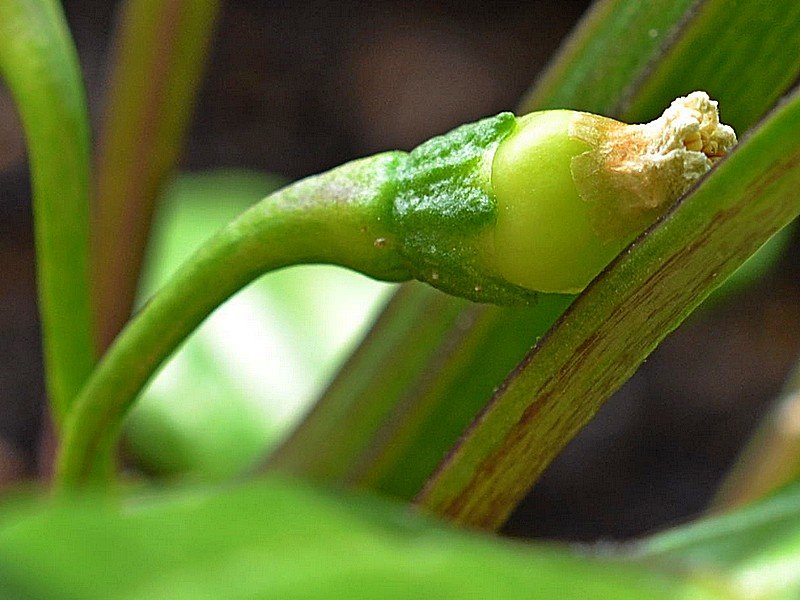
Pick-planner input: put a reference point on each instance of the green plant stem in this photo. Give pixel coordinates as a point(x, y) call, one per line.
point(339, 217)
point(39, 63)
point(161, 49)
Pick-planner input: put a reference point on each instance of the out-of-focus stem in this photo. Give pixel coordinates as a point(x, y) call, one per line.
point(160, 53)
point(771, 458)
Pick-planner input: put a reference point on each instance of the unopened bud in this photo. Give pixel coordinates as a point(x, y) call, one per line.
point(573, 189)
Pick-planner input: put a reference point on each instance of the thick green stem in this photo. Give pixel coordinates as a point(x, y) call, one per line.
point(38, 61)
point(340, 217)
point(439, 196)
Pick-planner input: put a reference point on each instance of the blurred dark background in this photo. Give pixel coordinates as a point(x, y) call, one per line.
point(298, 88)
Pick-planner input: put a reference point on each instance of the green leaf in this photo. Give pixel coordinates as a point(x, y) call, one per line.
point(744, 54)
point(272, 540)
point(40, 66)
point(388, 420)
point(618, 320)
point(757, 548)
point(610, 49)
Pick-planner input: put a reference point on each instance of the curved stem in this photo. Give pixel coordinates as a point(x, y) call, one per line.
point(38, 61)
point(340, 217)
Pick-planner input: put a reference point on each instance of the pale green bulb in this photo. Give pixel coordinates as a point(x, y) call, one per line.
point(573, 189)
point(546, 218)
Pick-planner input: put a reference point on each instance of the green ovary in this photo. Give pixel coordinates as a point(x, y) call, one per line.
point(544, 239)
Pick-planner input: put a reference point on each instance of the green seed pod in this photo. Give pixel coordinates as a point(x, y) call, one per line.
point(545, 201)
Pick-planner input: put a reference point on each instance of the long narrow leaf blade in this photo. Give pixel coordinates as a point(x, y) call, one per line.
point(594, 66)
point(613, 326)
point(744, 54)
point(39, 63)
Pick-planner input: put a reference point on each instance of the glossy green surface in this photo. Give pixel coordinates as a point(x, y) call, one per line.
point(544, 238)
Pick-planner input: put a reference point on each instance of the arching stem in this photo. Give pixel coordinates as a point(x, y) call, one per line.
point(340, 217)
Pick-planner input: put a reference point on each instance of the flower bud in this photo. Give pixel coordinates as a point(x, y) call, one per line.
point(572, 189)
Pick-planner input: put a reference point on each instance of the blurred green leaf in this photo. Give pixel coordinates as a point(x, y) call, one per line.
point(757, 548)
point(272, 540)
point(771, 458)
point(245, 374)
